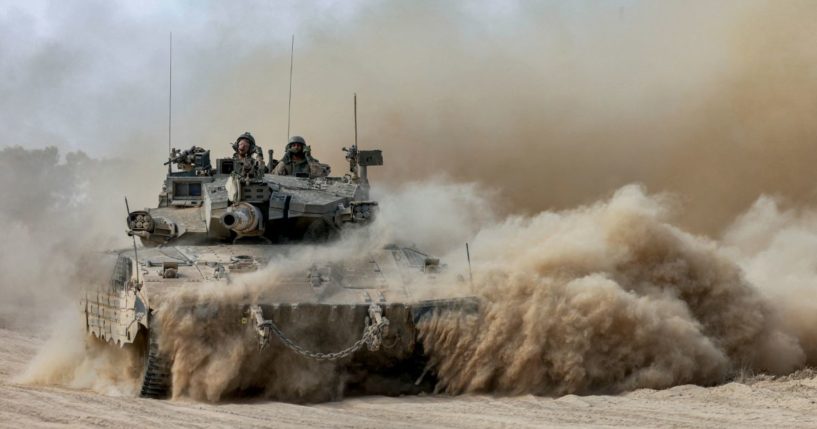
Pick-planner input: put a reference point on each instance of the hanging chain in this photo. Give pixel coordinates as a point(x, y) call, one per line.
point(376, 328)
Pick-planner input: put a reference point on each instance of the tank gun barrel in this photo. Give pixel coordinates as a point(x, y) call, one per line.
point(243, 218)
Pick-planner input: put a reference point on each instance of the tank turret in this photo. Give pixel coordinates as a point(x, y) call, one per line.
point(239, 198)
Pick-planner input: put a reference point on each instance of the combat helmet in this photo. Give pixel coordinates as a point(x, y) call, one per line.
point(246, 136)
point(296, 139)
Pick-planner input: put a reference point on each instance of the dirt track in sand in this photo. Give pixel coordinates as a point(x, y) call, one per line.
point(790, 402)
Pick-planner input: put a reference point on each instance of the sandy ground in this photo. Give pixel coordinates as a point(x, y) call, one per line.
point(785, 402)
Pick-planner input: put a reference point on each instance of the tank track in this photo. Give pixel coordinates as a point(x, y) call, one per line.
point(156, 382)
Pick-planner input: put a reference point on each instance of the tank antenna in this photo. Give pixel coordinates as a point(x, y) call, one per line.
point(291, 62)
point(470, 274)
point(169, 108)
point(355, 120)
point(135, 253)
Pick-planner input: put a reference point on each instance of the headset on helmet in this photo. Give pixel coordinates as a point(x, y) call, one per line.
point(246, 136)
point(294, 140)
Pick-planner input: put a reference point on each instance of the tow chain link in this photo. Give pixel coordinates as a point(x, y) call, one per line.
point(376, 328)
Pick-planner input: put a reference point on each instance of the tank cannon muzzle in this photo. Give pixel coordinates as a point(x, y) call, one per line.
point(243, 218)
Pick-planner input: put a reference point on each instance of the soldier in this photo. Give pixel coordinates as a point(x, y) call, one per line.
point(298, 161)
point(244, 147)
point(252, 156)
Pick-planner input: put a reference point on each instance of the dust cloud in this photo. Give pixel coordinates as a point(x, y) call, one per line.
point(72, 358)
point(53, 211)
point(606, 298)
point(60, 212)
point(773, 242)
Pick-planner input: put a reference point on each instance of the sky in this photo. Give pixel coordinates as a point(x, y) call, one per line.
point(93, 75)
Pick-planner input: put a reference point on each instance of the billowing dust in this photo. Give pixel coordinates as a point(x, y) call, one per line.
point(58, 211)
point(606, 298)
point(73, 359)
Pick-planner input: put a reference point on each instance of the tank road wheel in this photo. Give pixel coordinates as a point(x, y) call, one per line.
point(156, 379)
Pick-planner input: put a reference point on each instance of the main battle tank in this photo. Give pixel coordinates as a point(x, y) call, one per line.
point(216, 224)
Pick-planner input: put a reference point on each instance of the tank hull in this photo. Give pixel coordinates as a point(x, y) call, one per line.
point(321, 312)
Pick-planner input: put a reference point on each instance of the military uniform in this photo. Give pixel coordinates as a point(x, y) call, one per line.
point(304, 167)
point(290, 167)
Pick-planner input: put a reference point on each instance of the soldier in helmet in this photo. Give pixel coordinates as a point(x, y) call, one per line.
point(244, 147)
point(298, 161)
point(252, 156)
